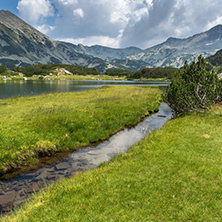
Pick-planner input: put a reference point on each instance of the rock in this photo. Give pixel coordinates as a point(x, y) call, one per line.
point(50, 170)
point(84, 161)
point(51, 177)
point(62, 166)
point(6, 201)
point(22, 194)
point(8, 188)
point(36, 187)
point(17, 188)
point(29, 190)
point(41, 176)
point(79, 165)
point(14, 183)
point(72, 171)
point(163, 116)
point(93, 152)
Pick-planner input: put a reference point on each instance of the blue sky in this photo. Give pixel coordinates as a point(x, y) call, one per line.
point(117, 23)
point(9, 5)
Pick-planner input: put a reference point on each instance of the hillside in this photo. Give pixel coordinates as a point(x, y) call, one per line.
point(216, 59)
point(22, 45)
point(173, 52)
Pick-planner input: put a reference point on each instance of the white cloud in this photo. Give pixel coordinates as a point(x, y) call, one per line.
point(78, 12)
point(34, 11)
point(94, 40)
point(45, 28)
point(215, 22)
point(123, 23)
point(171, 18)
point(68, 2)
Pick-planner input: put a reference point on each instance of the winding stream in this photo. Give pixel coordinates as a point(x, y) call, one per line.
point(15, 191)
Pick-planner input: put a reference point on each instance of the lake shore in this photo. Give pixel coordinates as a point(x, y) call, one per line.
point(28, 88)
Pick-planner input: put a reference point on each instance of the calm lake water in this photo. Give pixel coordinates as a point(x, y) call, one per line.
point(18, 88)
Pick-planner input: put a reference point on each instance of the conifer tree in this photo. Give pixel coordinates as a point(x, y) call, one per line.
point(193, 88)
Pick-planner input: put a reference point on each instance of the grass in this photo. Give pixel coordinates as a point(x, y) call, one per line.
point(36, 126)
point(174, 174)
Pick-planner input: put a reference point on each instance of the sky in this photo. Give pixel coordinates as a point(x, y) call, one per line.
point(117, 23)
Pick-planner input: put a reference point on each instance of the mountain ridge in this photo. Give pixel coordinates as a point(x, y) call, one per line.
point(23, 45)
point(172, 52)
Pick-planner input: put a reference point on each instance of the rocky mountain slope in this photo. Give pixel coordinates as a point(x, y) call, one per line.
point(22, 45)
point(172, 52)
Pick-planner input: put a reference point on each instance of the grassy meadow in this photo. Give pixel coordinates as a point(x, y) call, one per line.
point(36, 126)
point(174, 174)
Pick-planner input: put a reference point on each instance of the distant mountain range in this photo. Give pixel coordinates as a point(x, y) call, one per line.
point(23, 45)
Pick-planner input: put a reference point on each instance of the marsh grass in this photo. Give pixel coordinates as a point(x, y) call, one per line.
point(36, 126)
point(174, 174)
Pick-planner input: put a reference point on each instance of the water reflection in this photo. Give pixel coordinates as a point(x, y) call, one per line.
point(18, 88)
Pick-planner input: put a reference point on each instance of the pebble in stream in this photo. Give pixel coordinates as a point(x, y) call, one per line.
point(15, 191)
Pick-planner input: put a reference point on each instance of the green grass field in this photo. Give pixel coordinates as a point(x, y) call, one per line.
point(36, 126)
point(174, 174)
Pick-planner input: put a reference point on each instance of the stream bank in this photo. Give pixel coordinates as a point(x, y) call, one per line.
point(16, 190)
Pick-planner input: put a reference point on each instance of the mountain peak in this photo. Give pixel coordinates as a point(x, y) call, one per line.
point(217, 27)
point(19, 27)
point(215, 33)
point(8, 18)
point(4, 12)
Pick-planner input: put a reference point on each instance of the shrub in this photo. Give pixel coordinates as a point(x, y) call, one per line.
point(2, 69)
point(193, 88)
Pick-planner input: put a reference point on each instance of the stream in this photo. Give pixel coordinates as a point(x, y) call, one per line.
point(15, 191)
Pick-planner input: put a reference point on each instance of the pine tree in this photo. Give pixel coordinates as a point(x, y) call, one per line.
point(193, 88)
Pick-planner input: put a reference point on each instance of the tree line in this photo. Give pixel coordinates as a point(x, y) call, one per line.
point(146, 73)
point(46, 69)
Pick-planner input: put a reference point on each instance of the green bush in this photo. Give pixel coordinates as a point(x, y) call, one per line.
point(119, 72)
point(159, 72)
point(2, 69)
point(193, 88)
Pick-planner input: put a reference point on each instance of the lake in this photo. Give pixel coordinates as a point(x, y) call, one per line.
point(20, 88)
